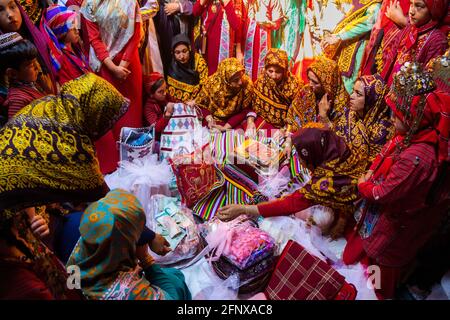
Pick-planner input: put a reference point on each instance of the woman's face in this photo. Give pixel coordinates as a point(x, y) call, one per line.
point(236, 80)
point(10, 17)
point(275, 73)
point(181, 53)
point(72, 36)
point(399, 126)
point(160, 93)
point(419, 14)
point(357, 99)
point(315, 84)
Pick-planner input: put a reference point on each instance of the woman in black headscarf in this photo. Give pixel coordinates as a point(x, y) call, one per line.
point(187, 72)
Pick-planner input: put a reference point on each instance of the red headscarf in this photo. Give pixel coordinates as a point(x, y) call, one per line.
point(434, 127)
point(438, 9)
point(150, 80)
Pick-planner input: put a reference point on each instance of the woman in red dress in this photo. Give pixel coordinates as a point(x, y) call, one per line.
point(114, 37)
point(221, 24)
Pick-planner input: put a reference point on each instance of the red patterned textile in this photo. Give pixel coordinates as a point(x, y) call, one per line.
point(299, 275)
point(194, 179)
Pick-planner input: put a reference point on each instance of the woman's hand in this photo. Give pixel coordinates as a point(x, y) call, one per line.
point(221, 128)
point(45, 82)
point(330, 40)
point(365, 177)
point(121, 73)
point(191, 103)
point(172, 8)
point(232, 211)
point(324, 106)
point(240, 56)
point(211, 122)
point(142, 252)
point(160, 245)
point(369, 174)
point(288, 147)
point(169, 110)
point(39, 226)
point(395, 13)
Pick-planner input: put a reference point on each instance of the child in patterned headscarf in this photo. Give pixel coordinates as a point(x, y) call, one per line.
point(58, 24)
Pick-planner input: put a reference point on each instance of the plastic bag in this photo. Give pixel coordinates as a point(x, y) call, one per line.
point(225, 290)
point(285, 228)
point(204, 284)
point(142, 177)
point(177, 225)
point(239, 242)
point(270, 186)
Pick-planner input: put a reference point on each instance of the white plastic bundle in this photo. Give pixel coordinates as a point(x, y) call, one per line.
point(143, 177)
point(277, 185)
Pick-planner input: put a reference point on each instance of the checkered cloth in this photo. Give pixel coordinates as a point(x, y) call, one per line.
point(299, 275)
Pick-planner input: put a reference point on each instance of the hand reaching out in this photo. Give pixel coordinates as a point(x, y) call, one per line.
point(395, 13)
point(160, 245)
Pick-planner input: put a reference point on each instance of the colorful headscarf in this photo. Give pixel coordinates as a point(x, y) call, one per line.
point(47, 149)
point(106, 251)
point(428, 120)
point(277, 57)
point(438, 10)
point(184, 81)
point(33, 9)
point(335, 171)
point(368, 135)
point(116, 26)
point(272, 100)
point(178, 71)
point(330, 78)
point(304, 107)
point(56, 21)
point(219, 97)
point(150, 80)
point(44, 262)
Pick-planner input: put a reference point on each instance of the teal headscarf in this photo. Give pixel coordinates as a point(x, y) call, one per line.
point(106, 251)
